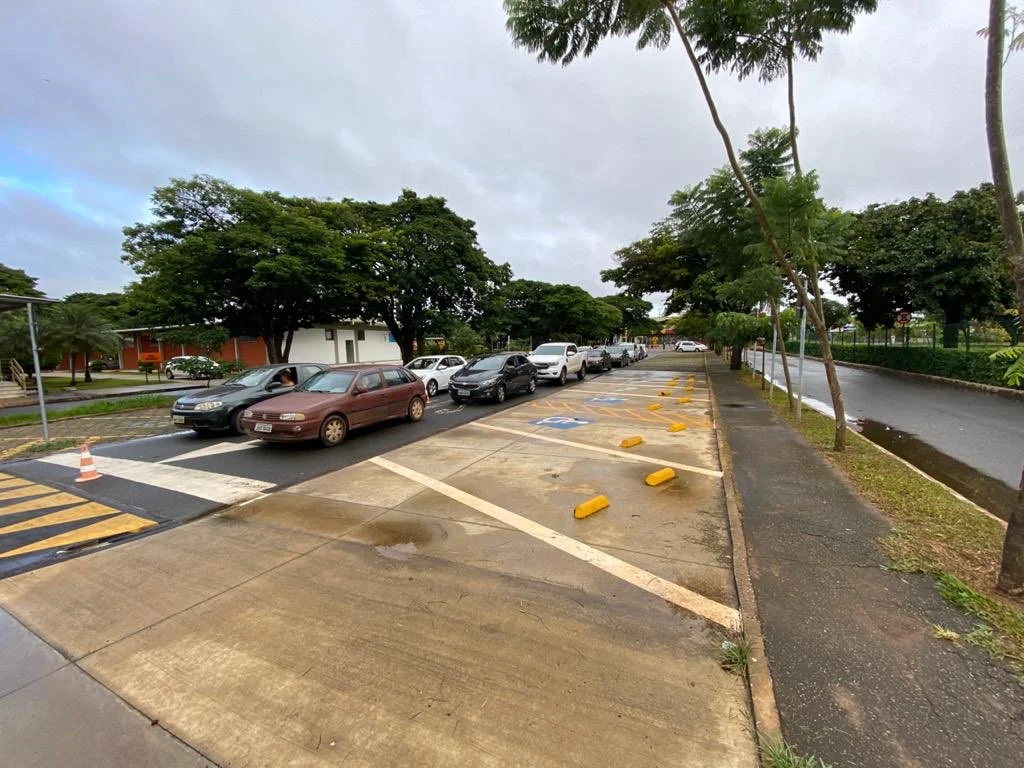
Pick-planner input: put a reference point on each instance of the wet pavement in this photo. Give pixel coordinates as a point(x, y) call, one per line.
point(439, 604)
point(972, 441)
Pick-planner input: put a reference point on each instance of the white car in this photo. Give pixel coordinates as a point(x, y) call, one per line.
point(685, 345)
point(554, 361)
point(436, 370)
point(173, 367)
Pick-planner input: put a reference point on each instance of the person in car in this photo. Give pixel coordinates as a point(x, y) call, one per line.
point(286, 379)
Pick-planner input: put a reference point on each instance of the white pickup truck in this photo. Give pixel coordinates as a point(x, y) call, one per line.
point(555, 361)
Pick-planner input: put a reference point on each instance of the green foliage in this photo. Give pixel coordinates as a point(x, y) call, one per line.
point(464, 341)
point(976, 366)
point(635, 313)
point(147, 368)
point(1014, 357)
point(17, 282)
point(692, 325)
point(837, 314)
point(207, 339)
point(199, 368)
point(77, 329)
point(775, 753)
point(112, 307)
point(231, 367)
point(735, 329)
point(945, 257)
point(529, 309)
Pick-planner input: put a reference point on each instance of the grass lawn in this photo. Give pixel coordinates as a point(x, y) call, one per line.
point(51, 384)
point(933, 533)
point(94, 408)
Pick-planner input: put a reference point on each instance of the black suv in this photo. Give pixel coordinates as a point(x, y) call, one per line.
point(221, 407)
point(492, 377)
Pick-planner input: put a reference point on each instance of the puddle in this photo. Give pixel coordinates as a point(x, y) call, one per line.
point(995, 496)
point(393, 533)
point(397, 551)
point(735, 405)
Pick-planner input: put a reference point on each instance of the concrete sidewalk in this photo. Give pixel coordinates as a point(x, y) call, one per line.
point(859, 678)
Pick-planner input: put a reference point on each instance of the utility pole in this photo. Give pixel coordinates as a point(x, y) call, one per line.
point(37, 371)
point(800, 368)
point(775, 341)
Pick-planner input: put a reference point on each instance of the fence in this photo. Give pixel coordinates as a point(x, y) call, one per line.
point(958, 336)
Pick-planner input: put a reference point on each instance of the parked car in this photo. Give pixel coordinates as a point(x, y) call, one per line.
point(105, 364)
point(173, 367)
point(222, 407)
point(493, 377)
point(336, 400)
point(436, 371)
point(641, 351)
point(555, 361)
point(686, 345)
point(598, 359)
point(620, 355)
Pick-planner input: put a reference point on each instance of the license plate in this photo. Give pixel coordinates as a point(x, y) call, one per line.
point(263, 428)
point(178, 419)
point(462, 392)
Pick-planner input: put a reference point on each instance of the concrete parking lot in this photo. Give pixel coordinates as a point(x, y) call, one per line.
point(439, 604)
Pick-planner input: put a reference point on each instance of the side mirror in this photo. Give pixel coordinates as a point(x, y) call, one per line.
point(442, 367)
point(359, 390)
point(273, 385)
point(570, 354)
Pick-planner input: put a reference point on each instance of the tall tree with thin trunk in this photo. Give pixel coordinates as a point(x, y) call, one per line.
point(1011, 572)
point(562, 30)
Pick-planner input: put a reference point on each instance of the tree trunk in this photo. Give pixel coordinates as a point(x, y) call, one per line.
point(792, 111)
point(782, 354)
point(762, 219)
point(1011, 571)
point(287, 352)
point(273, 344)
point(72, 356)
point(951, 335)
point(87, 370)
point(736, 357)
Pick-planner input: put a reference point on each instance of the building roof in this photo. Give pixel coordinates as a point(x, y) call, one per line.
point(9, 301)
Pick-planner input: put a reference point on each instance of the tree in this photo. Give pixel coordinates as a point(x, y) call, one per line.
point(17, 282)
point(207, 339)
point(635, 313)
point(112, 307)
point(259, 263)
point(14, 339)
point(74, 329)
point(423, 267)
point(837, 314)
point(1011, 573)
point(736, 330)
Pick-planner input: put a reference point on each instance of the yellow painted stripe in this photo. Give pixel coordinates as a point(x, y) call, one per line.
point(115, 526)
point(28, 490)
point(81, 512)
point(43, 502)
point(14, 482)
point(4, 476)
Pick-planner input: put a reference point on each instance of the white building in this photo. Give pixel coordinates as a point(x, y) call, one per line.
point(341, 343)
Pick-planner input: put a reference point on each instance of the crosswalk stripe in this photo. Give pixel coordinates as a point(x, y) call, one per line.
point(4, 476)
point(33, 489)
point(212, 486)
point(213, 450)
point(14, 482)
point(70, 515)
point(43, 502)
point(114, 526)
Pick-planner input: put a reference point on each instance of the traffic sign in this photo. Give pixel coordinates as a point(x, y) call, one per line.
point(903, 317)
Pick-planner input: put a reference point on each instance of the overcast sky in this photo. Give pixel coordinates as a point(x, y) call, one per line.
point(100, 101)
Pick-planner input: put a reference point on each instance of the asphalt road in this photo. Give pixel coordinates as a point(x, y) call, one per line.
point(167, 478)
point(950, 433)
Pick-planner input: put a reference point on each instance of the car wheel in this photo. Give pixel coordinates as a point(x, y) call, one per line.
point(235, 421)
point(169, 374)
point(431, 388)
point(416, 409)
point(562, 376)
point(499, 394)
point(333, 430)
point(532, 386)
point(581, 374)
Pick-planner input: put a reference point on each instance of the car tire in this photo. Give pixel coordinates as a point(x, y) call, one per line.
point(562, 377)
point(500, 393)
point(416, 409)
point(532, 386)
point(432, 388)
point(235, 421)
point(169, 374)
point(581, 374)
point(333, 430)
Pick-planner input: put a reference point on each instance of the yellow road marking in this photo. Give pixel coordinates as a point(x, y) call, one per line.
point(28, 490)
point(81, 512)
point(7, 477)
point(14, 482)
point(123, 523)
point(43, 502)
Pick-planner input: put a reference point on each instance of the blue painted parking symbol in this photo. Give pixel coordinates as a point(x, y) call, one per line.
point(562, 422)
point(607, 400)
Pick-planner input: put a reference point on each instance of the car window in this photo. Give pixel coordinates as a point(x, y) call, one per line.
point(394, 378)
point(285, 377)
point(571, 348)
point(453, 362)
point(370, 382)
point(308, 370)
point(492, 363)
point(335, 382)
point(550, 349)
point(422, 363)
point(407, 375)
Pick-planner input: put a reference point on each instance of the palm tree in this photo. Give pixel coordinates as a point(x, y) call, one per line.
point(73, 328)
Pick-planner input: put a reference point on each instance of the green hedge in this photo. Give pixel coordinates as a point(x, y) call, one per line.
point(947, 363)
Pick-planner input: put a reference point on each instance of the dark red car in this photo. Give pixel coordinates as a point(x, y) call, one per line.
point(336, 400)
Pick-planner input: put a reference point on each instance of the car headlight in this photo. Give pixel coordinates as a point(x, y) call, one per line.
point(293, 417)
point(247, 413)
point(489, 382)
point(209, 405)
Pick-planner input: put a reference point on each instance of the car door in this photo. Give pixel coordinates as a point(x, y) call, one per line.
point(572, 361)
point(399, 392)
point(524, 372)
point(369, 400)
point(445, 377)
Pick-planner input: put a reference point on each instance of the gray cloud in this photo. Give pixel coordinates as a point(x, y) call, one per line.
point(558, 167)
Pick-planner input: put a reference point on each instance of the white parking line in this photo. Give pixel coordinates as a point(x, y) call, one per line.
point(600, 449)
point(212, 450)
point(212, 486)
point(722, 615)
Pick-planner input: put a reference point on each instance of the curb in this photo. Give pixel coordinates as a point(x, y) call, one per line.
point(1012, 394)
point(767, 721)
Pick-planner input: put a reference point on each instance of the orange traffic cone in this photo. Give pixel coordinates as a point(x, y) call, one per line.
point(87, 470)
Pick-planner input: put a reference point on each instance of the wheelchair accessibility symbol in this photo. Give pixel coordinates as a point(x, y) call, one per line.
point(607, 400)
point(562, 422)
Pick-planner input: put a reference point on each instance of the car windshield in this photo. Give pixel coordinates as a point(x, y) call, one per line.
point(336, 382)
point(250, 378)
point(595, 352)
point(493, 363)
point(422, 363)
point(550, 349)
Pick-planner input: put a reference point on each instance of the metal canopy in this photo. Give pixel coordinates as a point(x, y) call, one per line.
point(9, 303)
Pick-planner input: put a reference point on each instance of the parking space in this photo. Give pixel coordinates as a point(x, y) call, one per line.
point(440, 604)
